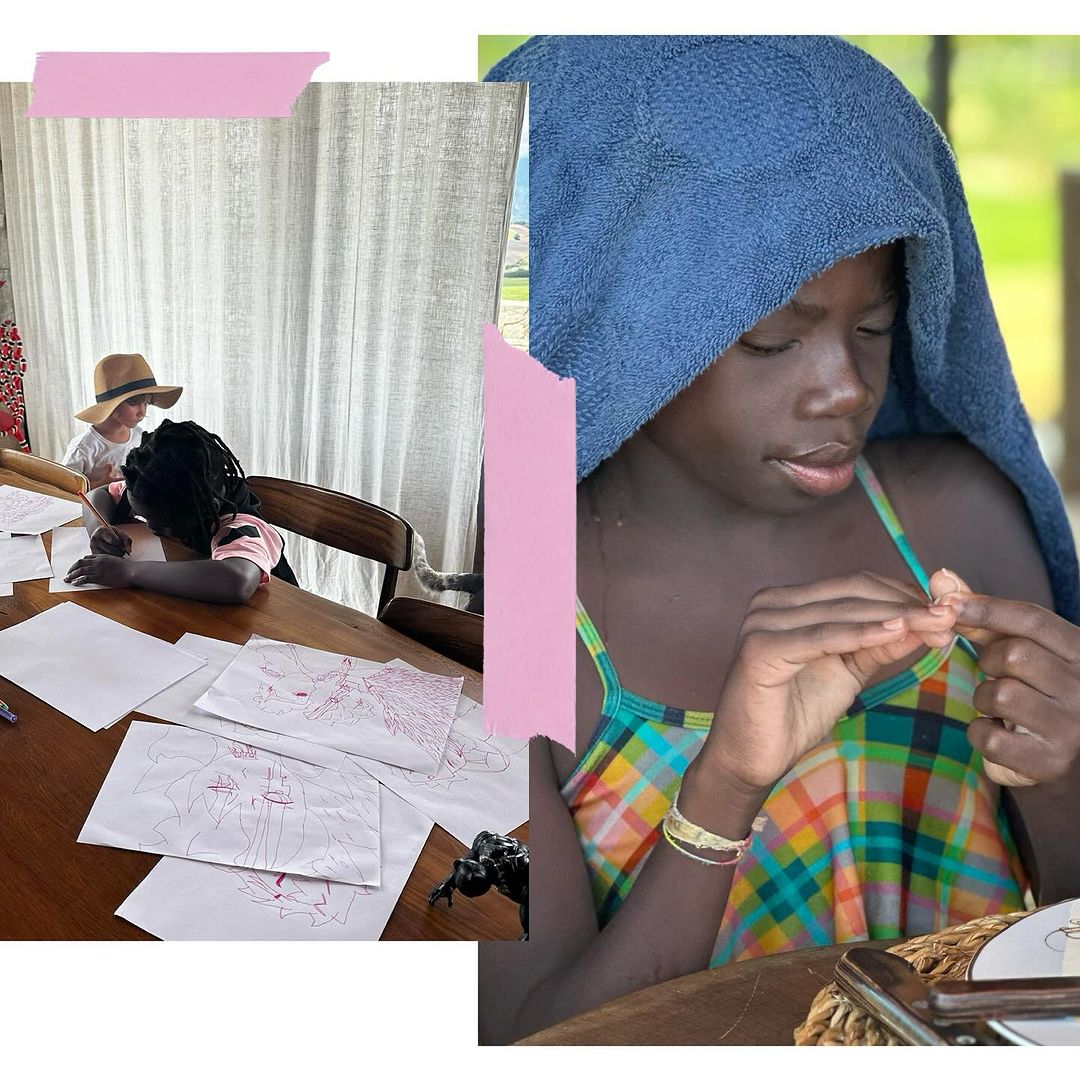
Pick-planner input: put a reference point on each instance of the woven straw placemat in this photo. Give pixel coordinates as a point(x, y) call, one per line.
point(835, 1021)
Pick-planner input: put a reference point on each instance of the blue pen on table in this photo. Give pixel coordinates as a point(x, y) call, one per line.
point(6, 713)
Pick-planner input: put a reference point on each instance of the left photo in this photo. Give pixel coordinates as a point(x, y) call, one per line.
point(241, 520)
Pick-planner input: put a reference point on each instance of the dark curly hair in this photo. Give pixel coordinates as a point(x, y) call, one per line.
point(186, 478)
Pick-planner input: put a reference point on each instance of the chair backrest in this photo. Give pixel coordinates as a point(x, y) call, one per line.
point(43, 470)
point(456, 634)
point(339, 521)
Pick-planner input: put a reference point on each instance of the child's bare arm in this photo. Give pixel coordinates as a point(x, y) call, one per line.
point(219, 581)
point(103, 503)
point(102, 541)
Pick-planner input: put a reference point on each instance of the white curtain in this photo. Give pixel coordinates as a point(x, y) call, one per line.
point(317, 284)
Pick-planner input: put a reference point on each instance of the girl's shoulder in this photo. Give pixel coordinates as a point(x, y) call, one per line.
point(960, 510)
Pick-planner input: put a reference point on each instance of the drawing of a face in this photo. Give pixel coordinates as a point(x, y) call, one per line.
point(231, 803)
point(329, 697)
point(317, 899)
point(286, 693)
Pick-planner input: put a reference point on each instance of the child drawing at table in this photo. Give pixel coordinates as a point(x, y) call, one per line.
point(794, 410)
point(186, 484)
point(124, 388)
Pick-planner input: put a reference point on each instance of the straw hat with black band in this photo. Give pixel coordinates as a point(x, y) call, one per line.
point(122, 376)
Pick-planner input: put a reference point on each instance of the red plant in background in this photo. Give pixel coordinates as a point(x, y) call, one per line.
point(12, 370)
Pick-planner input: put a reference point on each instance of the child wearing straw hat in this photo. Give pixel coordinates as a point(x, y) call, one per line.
point(124, 387)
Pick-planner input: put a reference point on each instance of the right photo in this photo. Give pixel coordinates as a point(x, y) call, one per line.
point(820, 297)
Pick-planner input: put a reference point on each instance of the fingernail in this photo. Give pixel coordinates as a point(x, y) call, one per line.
point(952, 583)
point(893, 624)
point(940, 609)
point(952, 600)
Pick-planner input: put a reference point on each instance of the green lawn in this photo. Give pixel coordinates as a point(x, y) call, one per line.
point(515, 288)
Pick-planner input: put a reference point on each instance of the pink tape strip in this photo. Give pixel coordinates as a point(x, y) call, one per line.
point(529, 544)
point(170, 84)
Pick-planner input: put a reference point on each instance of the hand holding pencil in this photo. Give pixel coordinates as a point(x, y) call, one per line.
point(106, 540)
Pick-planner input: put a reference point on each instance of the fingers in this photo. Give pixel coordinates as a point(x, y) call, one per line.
point(861, 584)
point(777, 655)
point(83, 572)
point(1023, 753)
point(931, 624)
point(852, 609)
point(947, 581)
point(104, 542)
point(985, 619)
point(1042, 670)
point(1018, 703)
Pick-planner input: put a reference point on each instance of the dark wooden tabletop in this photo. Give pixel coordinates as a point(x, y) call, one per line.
point(51, 767)
point(752, 1003)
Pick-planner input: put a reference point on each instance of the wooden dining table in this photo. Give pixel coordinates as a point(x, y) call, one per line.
point(755, 1002)
point(51, 768)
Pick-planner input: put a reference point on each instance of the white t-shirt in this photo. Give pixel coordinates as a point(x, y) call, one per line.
point(98, 459)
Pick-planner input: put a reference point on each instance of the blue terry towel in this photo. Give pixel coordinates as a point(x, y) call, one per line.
point(681, 188)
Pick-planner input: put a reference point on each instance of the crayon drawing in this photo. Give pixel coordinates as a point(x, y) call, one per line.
point(193, 901)
point(181, 792)
point(314, 900)
point(482, 781)
point(31, 512)
point(391, 713)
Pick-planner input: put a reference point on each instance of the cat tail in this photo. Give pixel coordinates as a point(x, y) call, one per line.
point(436, 581)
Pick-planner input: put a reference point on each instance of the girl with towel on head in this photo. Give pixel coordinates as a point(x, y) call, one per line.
point(795, 412)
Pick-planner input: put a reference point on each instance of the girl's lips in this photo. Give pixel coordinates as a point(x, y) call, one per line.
point(818, 479)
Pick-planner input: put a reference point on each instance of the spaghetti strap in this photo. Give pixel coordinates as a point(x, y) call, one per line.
point(591, 638)
point(884, 510)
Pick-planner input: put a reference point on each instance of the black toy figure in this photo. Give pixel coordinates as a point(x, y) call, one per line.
point(492, 860)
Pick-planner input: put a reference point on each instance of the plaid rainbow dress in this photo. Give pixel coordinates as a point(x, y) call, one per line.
point(888, 828)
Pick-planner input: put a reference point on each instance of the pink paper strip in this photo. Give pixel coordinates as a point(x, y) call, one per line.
point(530, 545)
point(170, 84)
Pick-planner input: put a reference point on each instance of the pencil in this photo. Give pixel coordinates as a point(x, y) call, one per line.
point(94, 510)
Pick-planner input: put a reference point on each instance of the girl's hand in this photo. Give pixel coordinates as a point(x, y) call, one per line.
point(103, 474)
point(104, 542)
point(804, 653)
point(101, 570)
point(1030, 732)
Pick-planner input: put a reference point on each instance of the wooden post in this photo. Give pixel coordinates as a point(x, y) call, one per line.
point(1070, 257)
point(940, 65)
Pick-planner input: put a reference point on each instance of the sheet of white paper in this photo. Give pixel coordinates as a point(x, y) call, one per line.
point(394, 714)
point(92, 668)
point(174, 791)
point(70, 545)
point(23, 558)
point(177, 704)
point(181, 900)
point(31, 512)
point(6, 588)
point(483, 782)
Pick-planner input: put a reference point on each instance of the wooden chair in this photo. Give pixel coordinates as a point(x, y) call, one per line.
point(339, 521)
point(43, 470)
point(448, 630)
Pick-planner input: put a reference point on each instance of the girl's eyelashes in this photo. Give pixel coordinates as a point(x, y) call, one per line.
point(877, 331)
point(783, 346)
point(765, 350)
